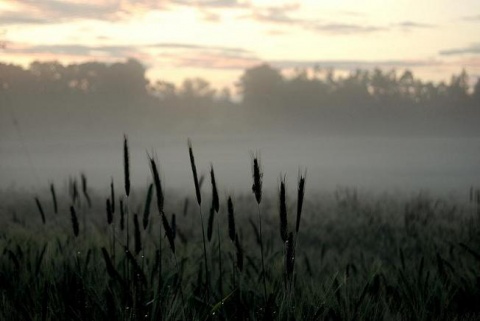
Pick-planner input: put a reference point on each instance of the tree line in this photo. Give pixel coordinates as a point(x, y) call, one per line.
point(261, 85)
point(119, 95)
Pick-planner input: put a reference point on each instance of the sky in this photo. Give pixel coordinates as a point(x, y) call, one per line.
point(218, 39)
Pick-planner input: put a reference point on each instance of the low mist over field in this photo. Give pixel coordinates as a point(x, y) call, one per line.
point(374, 129)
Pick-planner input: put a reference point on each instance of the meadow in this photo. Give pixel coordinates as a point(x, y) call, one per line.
point(151, 254)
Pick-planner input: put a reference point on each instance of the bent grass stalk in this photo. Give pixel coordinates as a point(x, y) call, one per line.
point(40, 210)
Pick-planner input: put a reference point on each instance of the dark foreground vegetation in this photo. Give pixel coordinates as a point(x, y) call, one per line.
point(122, 254)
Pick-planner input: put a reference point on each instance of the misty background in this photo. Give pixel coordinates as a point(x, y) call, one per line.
point(372, 129)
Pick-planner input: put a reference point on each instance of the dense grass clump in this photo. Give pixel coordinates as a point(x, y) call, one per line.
point(348, 256)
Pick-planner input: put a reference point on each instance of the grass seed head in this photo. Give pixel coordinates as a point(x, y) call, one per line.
point(215, 199)
point(146, 210)
point(54, 198)
point(283, 212)
point(74, 221)
point(300, 196)
point(257, 180)
point(126, 165)
point(194, 172)
point(158, 186)
point(85, 190)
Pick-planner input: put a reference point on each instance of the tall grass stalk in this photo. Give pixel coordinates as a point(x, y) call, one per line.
point(199, 201)
point(126, 168)
point(257, 190)
point(160, 203)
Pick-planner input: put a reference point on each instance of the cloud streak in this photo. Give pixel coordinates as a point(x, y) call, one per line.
point(212, 4)
point(179, 54)
point(72, 50)
point(473, 49)
point(54, 11)
point(277, 15)
point(355, 64)
point(473, 18)
point(414, 25)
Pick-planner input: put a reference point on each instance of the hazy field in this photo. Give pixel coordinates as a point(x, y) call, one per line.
point(374, 163)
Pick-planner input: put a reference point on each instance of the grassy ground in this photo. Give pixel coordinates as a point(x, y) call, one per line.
point(355, 257)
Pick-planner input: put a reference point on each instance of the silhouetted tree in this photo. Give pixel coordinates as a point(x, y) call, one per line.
point(457, 91)
point(476, 94)
point(261, 85)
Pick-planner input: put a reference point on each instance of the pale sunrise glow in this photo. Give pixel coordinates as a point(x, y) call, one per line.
point(218, 39)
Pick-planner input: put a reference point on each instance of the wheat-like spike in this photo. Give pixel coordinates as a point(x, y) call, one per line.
point(257, 180)
point(109, 211)
point(85, 190)
point(158, 186)
point(231, 220)
point(210, 224)
point(215, 199)
point(136, 234)
point(40, 209)
point(168, 232)
point(74, 221)
point(126, 165)
point(146, 210)
point(194, 171)
point(283, 212)
point(54, 198)
point(300, 196)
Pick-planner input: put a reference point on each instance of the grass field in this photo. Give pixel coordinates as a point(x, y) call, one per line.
point(122, 254)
